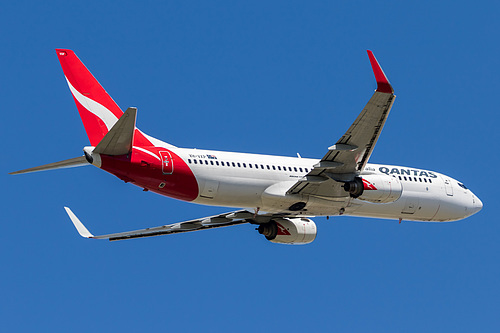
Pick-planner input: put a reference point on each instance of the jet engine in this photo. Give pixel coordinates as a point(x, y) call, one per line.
point(375, 188)
point(289, 230)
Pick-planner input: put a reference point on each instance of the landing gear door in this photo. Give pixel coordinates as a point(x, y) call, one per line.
point(210, 189)
point(411, 206)
point(167, 164)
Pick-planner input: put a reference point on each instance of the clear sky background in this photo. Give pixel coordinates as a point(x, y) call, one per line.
point(262, 77)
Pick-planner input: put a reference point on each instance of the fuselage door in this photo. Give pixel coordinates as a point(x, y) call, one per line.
point(167, 164)
point(448, 187)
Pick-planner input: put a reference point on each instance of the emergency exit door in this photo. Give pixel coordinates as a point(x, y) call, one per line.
point(167, 164)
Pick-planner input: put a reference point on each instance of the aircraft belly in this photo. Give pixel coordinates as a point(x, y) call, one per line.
point(233, 192)
point(412, 206)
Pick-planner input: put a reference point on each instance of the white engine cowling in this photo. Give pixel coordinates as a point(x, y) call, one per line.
point(375, 188)
point(289, 231)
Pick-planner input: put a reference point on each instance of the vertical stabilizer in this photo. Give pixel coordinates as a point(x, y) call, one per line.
point(97, 109)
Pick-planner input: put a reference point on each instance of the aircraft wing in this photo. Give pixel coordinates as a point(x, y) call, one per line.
point(348, 157)
point(210, 222)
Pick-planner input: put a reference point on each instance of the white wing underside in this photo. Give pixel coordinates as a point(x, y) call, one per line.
point(210, 222)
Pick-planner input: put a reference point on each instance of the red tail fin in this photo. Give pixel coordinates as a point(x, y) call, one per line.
point(97, 109)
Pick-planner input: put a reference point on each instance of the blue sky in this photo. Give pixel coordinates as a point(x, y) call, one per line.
point(263, 77)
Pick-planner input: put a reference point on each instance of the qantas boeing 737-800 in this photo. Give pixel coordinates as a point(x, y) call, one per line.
point(278, 194)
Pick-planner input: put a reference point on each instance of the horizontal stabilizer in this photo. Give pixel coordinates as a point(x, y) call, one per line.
point(118, 141)
point(72, 162)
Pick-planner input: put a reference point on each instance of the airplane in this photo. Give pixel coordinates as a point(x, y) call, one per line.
point(278, 194)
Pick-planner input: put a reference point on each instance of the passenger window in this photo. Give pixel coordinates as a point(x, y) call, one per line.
point(250, 165)
point(425, 180)
point(420, 179)
point(300, 169)
point(217, 162)
point(239, 165)
point(268, 168)
point(262, 166)
point(234, 165)
point(430, 180)
point(274, 168)
point(289, 168)
point(195, 162)
point(279, 168)
point(222, 163)
point(206, 162)
point(201, 161)
point(212, 162)
point(295, 169)
point(189, 161)
point(405, 177)
point(256, 166)
point(399, 177)
point(244, 165)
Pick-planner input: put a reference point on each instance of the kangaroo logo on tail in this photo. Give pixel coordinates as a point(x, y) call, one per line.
point(98, 110)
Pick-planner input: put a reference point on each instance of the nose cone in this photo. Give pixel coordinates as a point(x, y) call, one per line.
point(477, 204)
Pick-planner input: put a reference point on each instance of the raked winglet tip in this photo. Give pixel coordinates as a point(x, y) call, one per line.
point(383, 84)
point(78, 225)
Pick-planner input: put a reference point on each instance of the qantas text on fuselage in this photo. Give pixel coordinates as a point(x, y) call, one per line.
point(278, 194)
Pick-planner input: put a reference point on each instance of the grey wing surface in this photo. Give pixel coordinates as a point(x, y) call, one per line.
point(349, 155)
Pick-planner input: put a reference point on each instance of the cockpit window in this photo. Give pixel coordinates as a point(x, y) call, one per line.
point(462, 186)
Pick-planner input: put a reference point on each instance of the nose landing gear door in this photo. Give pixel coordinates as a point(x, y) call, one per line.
point(167, 164)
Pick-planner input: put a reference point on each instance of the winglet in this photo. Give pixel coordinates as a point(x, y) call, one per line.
point(383, 84)
point(78, 225)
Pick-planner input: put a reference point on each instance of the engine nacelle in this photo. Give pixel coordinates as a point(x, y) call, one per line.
point(289, 231)
point(91, 157)
point(375, 188)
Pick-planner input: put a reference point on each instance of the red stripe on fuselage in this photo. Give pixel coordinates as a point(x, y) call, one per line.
point(144, 170)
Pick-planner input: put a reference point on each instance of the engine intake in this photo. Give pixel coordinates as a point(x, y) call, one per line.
point(355, 187)
point(289, 231)
point(375, 188)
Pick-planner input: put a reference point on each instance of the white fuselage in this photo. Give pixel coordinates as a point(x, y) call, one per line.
point(261, 182)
